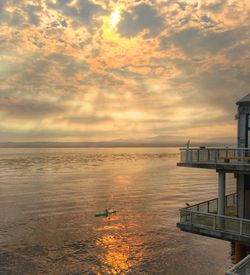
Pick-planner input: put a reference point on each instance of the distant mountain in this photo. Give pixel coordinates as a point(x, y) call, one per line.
point(180, 141)
point(109, 144)
point(158, 141)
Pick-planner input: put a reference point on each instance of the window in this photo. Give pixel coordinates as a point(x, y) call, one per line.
point(248, 131)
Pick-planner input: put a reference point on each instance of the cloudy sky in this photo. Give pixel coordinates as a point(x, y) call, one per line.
point(99, 70)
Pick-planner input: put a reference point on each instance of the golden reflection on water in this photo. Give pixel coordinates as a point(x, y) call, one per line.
point(120, 250)
point(123, 179)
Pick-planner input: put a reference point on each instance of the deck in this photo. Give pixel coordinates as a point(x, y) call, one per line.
point(203, 219)
point(225, 159)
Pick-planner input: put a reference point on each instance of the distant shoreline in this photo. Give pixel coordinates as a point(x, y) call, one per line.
point(103, 144)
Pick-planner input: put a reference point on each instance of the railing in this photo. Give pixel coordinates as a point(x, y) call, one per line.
point(216, 222)
point(211, 206)
point(204, 215)
point(242, 268)
point(215, 155)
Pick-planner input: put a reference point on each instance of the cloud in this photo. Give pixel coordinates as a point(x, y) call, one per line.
point(194, 41)
point(82, 12)
point(141, 18)
point(221, 87)
point(70, 65)
point(20, 14)
point(67, 73)
point(102, 80)
point(33, 14)
point(93, 119)
point(27, 108)
point(216, 6)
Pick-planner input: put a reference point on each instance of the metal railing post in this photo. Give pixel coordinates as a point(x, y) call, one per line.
point(187, 155)
point(241, 155)
point(240, 227)
point(217, 155)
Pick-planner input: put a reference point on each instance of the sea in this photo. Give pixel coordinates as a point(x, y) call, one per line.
point(49, 198)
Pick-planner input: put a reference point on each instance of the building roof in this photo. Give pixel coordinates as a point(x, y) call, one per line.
point(245, 99)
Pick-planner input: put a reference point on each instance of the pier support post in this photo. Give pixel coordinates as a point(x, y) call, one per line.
point(240, 252)
point(221, 193)
point(241, 195)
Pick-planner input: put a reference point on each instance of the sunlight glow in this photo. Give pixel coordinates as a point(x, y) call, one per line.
point(115, 18)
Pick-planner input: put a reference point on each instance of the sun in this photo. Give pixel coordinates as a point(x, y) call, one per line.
point(115, 18)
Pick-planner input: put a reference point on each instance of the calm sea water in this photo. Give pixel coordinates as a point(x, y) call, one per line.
point(48, 199)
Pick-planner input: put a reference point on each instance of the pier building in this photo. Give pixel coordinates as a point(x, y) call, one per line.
point(226, 217)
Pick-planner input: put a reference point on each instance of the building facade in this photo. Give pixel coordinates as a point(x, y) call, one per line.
point(226, 217)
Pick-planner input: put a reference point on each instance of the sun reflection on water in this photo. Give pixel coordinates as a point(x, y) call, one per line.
point(118, 257)
point(120, 250)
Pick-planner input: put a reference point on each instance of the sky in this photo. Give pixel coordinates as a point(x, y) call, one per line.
point(100, 70)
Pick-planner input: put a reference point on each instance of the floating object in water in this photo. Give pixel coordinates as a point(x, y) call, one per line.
point(105, 213)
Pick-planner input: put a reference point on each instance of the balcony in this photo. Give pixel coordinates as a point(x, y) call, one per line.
point(227, 159)
point(242, 268)
point(203, 219)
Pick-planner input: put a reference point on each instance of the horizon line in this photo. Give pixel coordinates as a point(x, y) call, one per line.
point(103, 144)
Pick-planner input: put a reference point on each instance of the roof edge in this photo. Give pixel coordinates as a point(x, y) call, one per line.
point(244, 100)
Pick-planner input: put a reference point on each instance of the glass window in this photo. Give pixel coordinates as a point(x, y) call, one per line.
point(248, 139)
point(248, 121)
